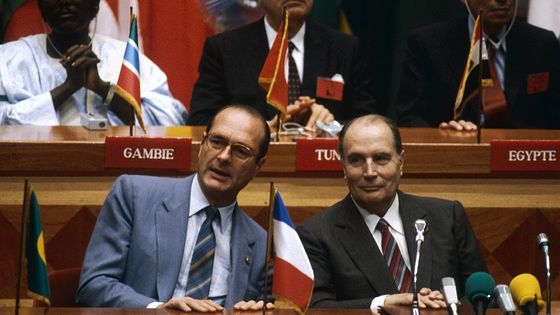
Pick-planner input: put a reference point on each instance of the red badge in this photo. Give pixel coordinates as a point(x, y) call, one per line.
point(537, 83)
point(330, 89)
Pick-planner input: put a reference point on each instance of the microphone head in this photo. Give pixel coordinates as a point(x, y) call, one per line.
point(420, 225)
point(525, 288)
point(505, 300)
point(480, 287)
point(449, 290)
point(542, 240)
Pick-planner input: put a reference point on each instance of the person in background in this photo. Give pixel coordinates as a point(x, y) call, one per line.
point(524, 64)
point(362, 247)
point(51, 79)
point(184, 243)
point(231, 63)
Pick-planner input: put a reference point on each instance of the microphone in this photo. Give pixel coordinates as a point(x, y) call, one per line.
point(505, 300)
point(543, 242)
point(526, 293)
point(420, 226)
point(450, 294)
point(479, 289)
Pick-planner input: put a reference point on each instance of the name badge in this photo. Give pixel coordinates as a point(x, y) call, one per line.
point(329, 89)
point(537, 83)
point(148, 153)
point(524, 155)
point(317, 155)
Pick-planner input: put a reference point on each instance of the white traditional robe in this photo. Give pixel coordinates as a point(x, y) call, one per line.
point(28, 74)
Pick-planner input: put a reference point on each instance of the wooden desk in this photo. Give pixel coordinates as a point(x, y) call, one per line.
point(65, 166)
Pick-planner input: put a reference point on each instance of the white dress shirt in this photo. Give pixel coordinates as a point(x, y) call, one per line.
point(396, 228)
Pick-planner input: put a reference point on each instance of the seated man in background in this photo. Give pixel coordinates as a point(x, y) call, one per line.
point(184, 243)
point(232, 61)
point(524, 63)
point(50, 79)
point(348, 244)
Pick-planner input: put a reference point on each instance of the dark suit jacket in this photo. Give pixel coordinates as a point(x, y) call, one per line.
point(231, 63)
point(349, 268)
point(135, 253)
point(435, 61)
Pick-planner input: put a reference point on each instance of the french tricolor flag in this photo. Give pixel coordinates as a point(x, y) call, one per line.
point(128, 86)
point(293, 276)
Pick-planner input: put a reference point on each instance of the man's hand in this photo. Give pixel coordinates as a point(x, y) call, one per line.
point(461, 125)
point(426, 299)
point(187, 304)
point(252, 306)
point(80, 63)
point(307, 108)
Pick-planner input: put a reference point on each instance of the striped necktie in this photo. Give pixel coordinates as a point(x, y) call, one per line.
point(393, 258)
point(294, 83)
point(200, 272)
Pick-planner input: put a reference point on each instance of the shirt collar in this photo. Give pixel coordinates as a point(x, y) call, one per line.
point(198, 202)
point(496, 44)
point(392, 216)
point(297, 39)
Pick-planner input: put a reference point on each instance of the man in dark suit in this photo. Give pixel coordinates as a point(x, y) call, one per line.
point(231, 63)
point(348, 243)
point(184, 243)
point(526, 59)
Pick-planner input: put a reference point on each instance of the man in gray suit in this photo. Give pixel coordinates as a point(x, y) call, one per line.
point(362, 247)
point(145, 245)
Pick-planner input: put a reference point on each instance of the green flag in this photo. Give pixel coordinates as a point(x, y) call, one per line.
point(7, 8)
point(37, 282)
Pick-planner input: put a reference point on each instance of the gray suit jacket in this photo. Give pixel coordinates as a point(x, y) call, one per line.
point(135, 253)
point(349, 268)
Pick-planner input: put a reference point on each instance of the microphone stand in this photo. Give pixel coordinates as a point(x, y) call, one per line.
point(420, 226)
point(543, 242)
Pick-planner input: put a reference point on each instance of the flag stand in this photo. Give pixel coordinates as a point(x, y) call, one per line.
point(22, 232)
point(132, 121)
point(269, 236)
point(480, 83)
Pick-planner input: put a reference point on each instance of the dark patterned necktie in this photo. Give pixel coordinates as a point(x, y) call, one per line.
point(202, 262)
point(393, 258)
point(294, 83)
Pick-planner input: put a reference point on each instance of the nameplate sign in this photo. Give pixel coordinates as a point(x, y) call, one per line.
point(148, 153)
point(317, 155)
point(524, 155)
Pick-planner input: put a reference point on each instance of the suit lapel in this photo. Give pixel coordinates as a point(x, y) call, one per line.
point(171, 229)
point(458, 42)
point(410, 212)
point(513, 76)
point(314, 59)
point(242, 246)
point(355, 237)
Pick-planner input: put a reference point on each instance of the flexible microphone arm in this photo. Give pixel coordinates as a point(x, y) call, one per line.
point(542, 240)
point(420, 226)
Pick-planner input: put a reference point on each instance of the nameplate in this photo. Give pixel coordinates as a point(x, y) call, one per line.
point(525, 155)
point(148, 153)
point(317, 155)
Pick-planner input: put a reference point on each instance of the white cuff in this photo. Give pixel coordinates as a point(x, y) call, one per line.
point(154, 305)
point(377, 302)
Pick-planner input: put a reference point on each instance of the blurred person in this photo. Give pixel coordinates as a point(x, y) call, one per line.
point(51, 79)
point(232, 61)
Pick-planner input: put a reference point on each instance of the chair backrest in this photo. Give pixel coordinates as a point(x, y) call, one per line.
point(63, 284)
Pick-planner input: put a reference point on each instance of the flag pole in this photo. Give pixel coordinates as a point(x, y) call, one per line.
point(132, 117)
point(269, 235)
point(22, 232)
point(480, 71)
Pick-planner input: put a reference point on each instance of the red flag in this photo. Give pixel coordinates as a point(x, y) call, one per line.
point(272, 77)
point(128, 86)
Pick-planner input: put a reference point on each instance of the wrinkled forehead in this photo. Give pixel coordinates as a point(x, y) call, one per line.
point(238, 126)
